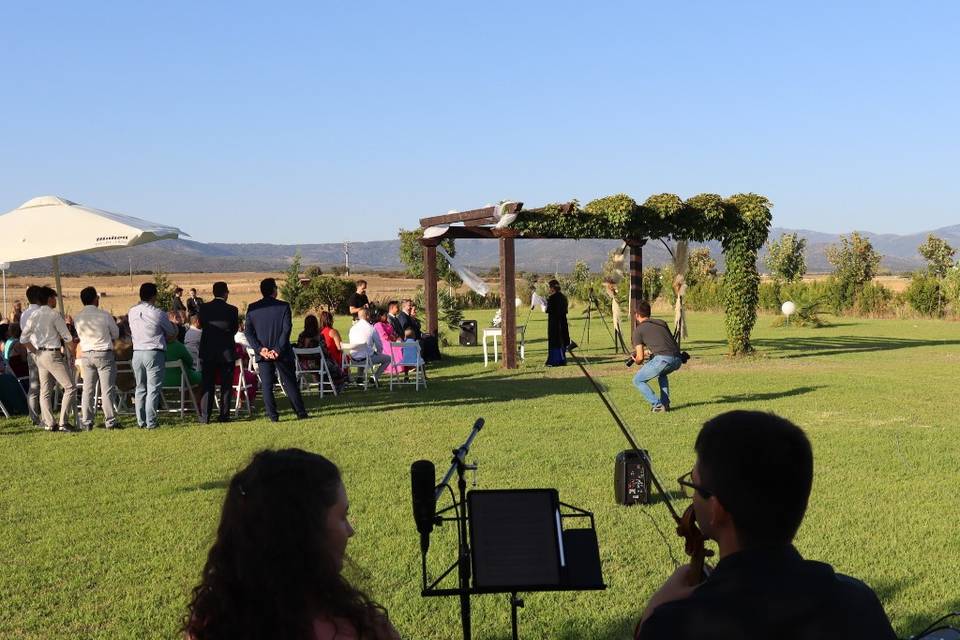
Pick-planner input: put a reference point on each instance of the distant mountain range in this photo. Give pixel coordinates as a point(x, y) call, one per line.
point(546, 256)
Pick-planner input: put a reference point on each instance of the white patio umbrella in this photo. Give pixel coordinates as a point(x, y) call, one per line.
point(49, 226)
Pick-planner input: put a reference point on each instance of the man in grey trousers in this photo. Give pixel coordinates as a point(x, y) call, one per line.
point(44, 336)
point(97, 330)
point(150, 329)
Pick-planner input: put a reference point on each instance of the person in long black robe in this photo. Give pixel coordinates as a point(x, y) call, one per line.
point(558, 334)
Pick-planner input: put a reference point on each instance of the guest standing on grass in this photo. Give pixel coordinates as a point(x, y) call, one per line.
point(268, 326)
point(275, 568)
point(193, 303)
point(97, 330)
point(150, 329)
point(33, 393)
point(358, 300)
point(219, 322)
point(45, 336)
point(558, 334)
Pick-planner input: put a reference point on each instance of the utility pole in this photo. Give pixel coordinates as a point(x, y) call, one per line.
point(131, 272)
point(346, 256)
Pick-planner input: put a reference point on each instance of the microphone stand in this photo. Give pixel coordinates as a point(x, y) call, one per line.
point(459, 466)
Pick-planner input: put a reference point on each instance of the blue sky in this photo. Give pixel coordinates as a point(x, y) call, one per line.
point(318, 122)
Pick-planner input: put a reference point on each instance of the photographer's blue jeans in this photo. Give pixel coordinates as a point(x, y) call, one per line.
point(658, 367)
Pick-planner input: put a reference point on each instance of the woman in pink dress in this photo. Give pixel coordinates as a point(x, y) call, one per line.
point(274, 570)
point(387, 335)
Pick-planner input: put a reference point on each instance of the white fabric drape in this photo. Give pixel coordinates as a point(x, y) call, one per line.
point(469, 278)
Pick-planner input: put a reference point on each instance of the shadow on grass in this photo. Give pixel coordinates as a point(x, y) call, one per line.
point(612, 630)
point(819, 346)
point(741, 398)
point(210, 485)
point(451, 394)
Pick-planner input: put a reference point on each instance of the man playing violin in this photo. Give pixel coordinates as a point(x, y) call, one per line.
point(750, 485)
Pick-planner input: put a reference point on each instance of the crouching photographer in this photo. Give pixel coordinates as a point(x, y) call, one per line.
point(654, 336)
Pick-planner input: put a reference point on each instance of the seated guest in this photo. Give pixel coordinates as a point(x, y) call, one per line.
point(274, 570)
point(751, 483)
point(331, 336)
point(387, 336)
point(312, 337)
point(242, 370)
point(393, 310)
point(404, 315)
point(191, 339)
point(11, 393)
point(15, 353)
point(177, 352)
point(414, 321)
point(367, 343)
point(409, 349)
point(240, 337)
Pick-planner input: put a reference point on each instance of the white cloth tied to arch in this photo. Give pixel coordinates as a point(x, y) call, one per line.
point(469, 278)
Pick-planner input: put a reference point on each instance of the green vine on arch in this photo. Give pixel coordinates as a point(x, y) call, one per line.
point(741, 223)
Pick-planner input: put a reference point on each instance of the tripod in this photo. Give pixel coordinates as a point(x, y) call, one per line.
point(593, 303)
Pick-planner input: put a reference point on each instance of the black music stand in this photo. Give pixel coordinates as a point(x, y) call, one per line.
point(518, 543)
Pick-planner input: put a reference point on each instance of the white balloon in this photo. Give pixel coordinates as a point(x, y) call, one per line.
point(788, 308)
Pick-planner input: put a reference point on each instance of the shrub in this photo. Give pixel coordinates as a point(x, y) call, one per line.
point(873, 300)
point(326, 292)
point(925, 295)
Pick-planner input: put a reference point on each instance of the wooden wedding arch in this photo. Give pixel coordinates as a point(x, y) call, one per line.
point(740, 222)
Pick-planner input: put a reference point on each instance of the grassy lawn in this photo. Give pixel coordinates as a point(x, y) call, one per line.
point(102, 535)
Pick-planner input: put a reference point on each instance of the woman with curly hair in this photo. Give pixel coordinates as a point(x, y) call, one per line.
point(274, 570)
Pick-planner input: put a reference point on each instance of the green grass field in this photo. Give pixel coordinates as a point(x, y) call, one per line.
point(102, 535)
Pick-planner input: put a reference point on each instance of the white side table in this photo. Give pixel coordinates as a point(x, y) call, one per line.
point(492, 332)
point(496, 332)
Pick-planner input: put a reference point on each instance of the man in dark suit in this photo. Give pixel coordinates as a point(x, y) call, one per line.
point(219, 322)
point(403, 316)
point(268, 326)
point(393, 309)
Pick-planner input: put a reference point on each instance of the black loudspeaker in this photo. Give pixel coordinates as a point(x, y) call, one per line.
point(631, 478)
point(468, 333)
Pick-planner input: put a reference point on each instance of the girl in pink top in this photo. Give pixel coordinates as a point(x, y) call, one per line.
point(274, 569)
point(387, 335)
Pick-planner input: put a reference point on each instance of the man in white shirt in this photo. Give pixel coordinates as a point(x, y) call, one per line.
point(33, 395)
point(367, 343)
point(97, 331)
point(150, 329)
point(44, 336)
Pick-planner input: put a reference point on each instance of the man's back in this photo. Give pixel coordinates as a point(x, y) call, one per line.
point(361, 337)
point(268, 324)
point(774, 593)
point(219, 322)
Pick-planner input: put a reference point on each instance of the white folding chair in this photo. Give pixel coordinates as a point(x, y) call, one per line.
point(241, 391)
point(321, 375)
point(6, 414)
point(409, 357)
point(121, 401)
point(363, 367)
point(184, 389)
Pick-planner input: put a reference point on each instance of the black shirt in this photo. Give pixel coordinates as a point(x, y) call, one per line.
point(656, 336)
point(772, 593)
point(356, 301)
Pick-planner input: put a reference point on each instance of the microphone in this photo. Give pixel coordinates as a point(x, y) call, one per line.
point(423, 480)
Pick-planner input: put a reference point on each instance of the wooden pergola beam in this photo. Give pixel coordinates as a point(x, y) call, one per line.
point(508, 294)
point(472, 214)
point(430, 284)
point(636, 279)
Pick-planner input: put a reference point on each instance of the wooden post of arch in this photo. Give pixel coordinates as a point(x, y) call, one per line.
point(636, 279)
point(508, 295)
point(430, 285)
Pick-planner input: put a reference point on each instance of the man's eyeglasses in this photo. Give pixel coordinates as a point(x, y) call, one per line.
point(687, 487)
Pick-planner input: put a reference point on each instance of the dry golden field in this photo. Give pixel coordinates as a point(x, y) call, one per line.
point(117, 294)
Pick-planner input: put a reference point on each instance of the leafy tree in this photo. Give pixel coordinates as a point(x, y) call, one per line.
point(701, 266)
point(165, 289)
point(292, 289)
point(313, 271)
point(938, 254)
point(411, 255)
point(855, 263)
point(328, 292)
point(785, 258)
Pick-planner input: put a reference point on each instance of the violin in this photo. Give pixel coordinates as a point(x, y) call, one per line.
point(693, 546)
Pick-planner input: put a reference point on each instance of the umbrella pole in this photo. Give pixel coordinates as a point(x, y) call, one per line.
point(56, 278)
